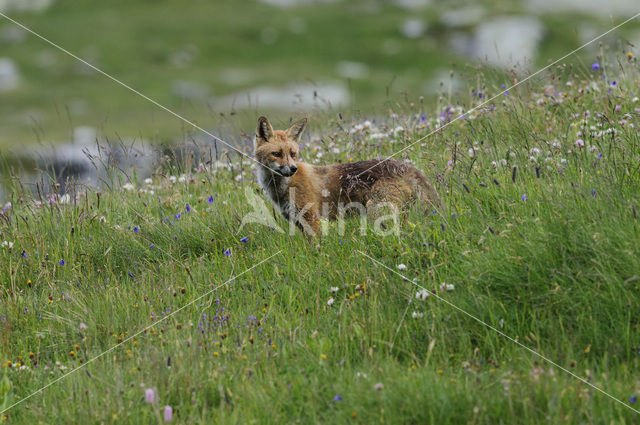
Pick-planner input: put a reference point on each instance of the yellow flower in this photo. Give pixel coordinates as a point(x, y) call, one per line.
point(72, 353)
point(586, 350)
point(440, 371)
point(215, 353)
point(323, 356)
point(629, 55)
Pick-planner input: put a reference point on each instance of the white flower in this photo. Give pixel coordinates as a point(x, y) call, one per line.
point(173, 179)
point(535, 151)
point(402, 267)
point(494, 164)
point(447, 287)
point(128, 186)
point(102, 219)
point(334, 289)
point(331, 301)
point(336, 150)
point(378, 387)
point(7, 244)
point(182, 179)
point(148, 180)
point(422, 294)
point(472, 152)
point(417, 314)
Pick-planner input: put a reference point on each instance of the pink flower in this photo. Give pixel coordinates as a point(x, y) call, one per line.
point(83, 327)
point(579, 143)
point(149, 395)
point(168, 413)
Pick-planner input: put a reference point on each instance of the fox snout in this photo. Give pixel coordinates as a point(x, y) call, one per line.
point(288, 170)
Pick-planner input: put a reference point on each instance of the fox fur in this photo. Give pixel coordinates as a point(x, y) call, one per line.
point(306, 193)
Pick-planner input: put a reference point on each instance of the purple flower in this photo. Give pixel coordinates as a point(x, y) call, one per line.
point(524, 197)
point(593, 192)
point(136, 229)
point(633, 399)
point(130, 275)
point(61, 262)
point(227, 252)
point(245, 239)
point(600, 155)
point(168, 413)
point(188, 208)
point(613, 83)
point(177, 216)
point(24, 254)
point(337, 398)
point(151, 246)
point(210, 200)
point(595, 66)
point(149, 395)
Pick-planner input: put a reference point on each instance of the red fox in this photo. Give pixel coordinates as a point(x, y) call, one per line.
point(306, 193)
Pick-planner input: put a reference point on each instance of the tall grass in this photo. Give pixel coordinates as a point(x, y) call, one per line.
point(539, 236)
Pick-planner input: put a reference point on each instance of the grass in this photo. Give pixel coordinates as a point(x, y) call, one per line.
point(138, 42)
point(539, 236)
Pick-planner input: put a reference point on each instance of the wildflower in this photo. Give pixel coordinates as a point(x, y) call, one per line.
point(448, 287)
point(24, 254)
point(323, 356)
point(633, 399)
point(422, 294)
point(402, 267)
point(128, 186)
point(62, 262)
point(7, 244)
point(136, 229)
point(579, 143)
point(417, 314)
point(595, 66)
point(188, 208)
point(149, 395)
point(245, 239)
point(524, 197)
point(330, 301)
point(210, 200)
point(334, 289)
point(337, 398)
point(82, 326)
point(148, 180)
point(168, 413)
point(593, 193)
point(227, 252)
point(472, 152)
point(130, 274)
point(378, 386)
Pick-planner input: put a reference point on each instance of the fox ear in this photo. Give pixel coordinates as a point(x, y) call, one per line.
point(264, 131)
point(296, 129)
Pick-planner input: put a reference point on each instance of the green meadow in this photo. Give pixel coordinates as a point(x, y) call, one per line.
point(539, 238)
point(189, 56)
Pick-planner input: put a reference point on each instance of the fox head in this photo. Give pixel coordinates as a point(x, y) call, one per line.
point(278, 149)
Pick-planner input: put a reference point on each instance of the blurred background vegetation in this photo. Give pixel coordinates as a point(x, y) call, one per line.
point(219, 63)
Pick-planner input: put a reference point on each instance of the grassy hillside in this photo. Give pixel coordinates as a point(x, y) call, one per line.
point(539, 237)
point(223, 47)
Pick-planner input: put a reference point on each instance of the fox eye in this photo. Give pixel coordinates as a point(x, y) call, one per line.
point(293, 154)
point(276, 154)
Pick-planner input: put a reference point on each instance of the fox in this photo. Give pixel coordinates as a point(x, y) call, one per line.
point(306, 193)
